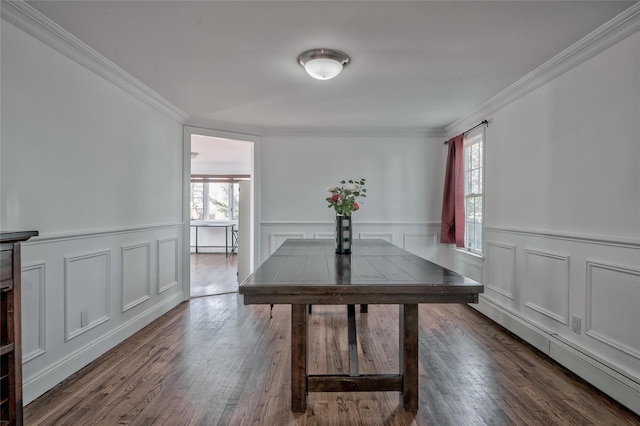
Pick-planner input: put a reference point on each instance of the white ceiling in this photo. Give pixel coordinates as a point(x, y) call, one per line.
point(220, 156)
point(415, 64)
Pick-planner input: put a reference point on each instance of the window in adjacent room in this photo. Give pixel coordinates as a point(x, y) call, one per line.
point(473, 189)
point(212, 200)
point(197, 200)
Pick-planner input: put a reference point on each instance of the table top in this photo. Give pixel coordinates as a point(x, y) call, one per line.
point(214, 223)
point(304, 271)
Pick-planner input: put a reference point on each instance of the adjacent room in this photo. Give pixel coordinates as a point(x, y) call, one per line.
point(220, 170)
point(320, 212)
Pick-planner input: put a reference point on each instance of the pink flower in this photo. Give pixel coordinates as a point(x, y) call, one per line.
point(355, 206)
point(335, 198)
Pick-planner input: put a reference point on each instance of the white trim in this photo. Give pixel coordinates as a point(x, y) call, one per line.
point(42, 326)
point(607, 340)
point(323, 235)
point(387, 236)
point(617, 29)
point(434, 237)
point(591, 239)
point(434, 132)
point(618, 384)
point(512, 284)
point(51, 375)
point(562, 319)
point(28, 19)
point(55, 238)
point(188, 131)
point(332, 222)
point(68, 260)
point(123, 250)
point(32, 22)
point(176, 264)
point(466, 252)
point(274, 235)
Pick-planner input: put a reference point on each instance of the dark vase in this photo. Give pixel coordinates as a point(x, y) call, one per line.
point(343, 234)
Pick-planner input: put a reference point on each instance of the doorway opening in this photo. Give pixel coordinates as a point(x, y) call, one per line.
point(220, 212)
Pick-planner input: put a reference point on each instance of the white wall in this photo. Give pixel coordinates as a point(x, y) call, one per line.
point(99, 174)
point(572, 149)
point(562, 211)
point(404, 187)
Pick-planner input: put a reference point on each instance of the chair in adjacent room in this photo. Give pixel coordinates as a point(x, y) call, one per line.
point(234, 240)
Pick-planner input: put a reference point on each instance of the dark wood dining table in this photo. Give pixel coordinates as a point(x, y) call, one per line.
point(305, 272)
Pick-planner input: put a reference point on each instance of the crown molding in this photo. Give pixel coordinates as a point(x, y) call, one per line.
point(29, 20)
point(355, 131)
point(275, 131)
point(34, 23)
point(617, 29)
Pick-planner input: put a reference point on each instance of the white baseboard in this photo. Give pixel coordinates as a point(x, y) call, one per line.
point(49, 377)
point(621, 388)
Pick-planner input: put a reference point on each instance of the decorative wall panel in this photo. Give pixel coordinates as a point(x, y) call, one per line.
point(136, 279)
point(33, 308)
point(423, 245)
point(387, 236)
point(547, 284)
point(501, 268)
point(471, 268)
point(324, 235)
point(167, 264)
point(86, 292)
point(613, 310)
point(276, 239)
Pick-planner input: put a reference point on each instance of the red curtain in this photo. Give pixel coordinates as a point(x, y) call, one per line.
point(452, 223)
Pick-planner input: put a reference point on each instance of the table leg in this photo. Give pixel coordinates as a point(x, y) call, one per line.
point(298, 358)
point(409, 356)
point(226, 241)
point(352, 339)
point(196, 240)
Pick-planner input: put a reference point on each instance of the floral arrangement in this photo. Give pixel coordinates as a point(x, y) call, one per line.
point(343, 197)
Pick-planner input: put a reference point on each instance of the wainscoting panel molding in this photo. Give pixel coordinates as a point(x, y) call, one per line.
point(420, 238)
point(87, 282)
point(472, 268)
point(33, 320)
point(501, 269)
point(323, 236)
point(387, 236)
point(82, 301)
point(136, 275)
point(574, 298)
point(547, 284)
point(167, 264)
point(424, 245)
point(276, 239)
point(613, 292)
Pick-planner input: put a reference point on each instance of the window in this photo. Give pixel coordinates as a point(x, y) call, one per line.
point(214, 200)
point(197, 201)
point(473, 190)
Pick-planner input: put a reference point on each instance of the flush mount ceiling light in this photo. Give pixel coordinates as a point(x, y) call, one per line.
point(323, 64)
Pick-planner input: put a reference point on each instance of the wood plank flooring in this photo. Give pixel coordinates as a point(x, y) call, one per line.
point(213, 273)
point(214, 361)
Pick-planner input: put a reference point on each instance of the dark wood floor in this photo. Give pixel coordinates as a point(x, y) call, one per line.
point(214, 361)
point(213, 273)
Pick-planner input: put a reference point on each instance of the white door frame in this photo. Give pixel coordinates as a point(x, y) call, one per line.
point(186, 189)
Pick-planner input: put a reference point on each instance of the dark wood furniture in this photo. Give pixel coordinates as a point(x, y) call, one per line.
point(305, 272)
point(10, 327)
